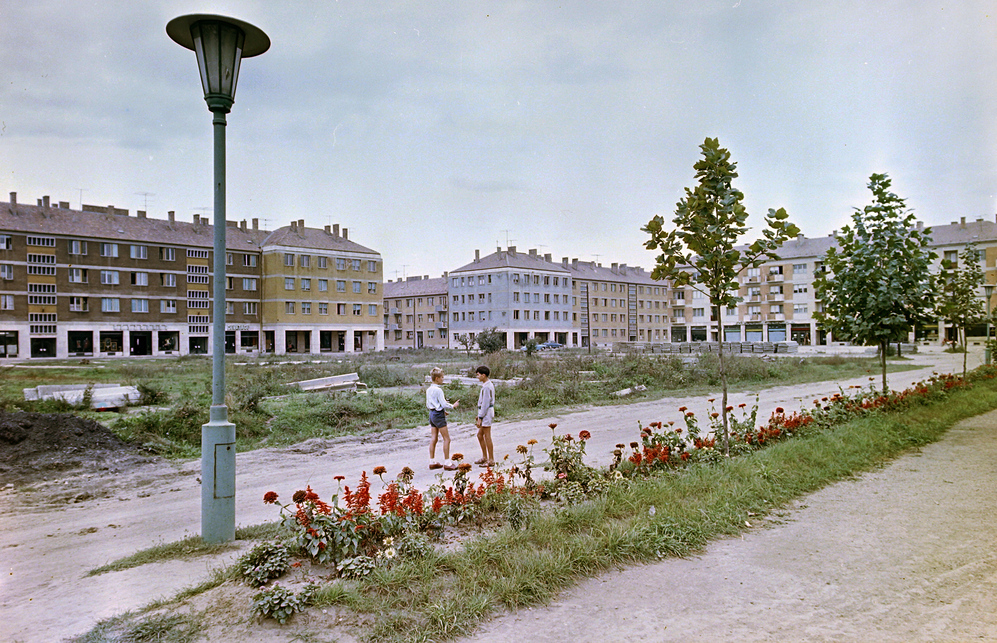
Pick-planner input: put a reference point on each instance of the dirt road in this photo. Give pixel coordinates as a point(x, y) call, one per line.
point(46, 547)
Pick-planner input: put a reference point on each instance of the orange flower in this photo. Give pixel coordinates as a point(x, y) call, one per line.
point(552, 425)
point(584, 435)
point(270, 498)
point(379, 471)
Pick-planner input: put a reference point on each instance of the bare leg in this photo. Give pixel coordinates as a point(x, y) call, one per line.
point(485, 437)
point(432, 442)
point(481, 442)
point(445, 432)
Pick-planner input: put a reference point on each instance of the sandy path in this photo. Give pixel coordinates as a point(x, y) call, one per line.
point(45, 550)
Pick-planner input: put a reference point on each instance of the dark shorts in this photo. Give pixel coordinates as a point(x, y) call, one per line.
point(437, 419)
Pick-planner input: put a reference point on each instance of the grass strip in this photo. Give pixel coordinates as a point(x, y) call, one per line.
point(446, 596)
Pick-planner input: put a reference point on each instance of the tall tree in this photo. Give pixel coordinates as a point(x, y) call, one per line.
point(960, 303)
point(701, 250)
point(876, 284)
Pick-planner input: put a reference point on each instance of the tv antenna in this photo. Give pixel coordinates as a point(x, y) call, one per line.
point(145, 196)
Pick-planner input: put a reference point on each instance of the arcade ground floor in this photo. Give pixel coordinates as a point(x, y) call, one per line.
point(123, 340)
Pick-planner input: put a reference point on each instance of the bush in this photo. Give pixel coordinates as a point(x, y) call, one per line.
point(490, 341)
point(263, 563)
point(280, 603)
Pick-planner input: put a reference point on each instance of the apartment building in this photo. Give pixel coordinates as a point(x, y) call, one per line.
point(416, 313)
point(522, 295)
point(100, 282)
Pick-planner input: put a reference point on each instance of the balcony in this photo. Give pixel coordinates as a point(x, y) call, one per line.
point(776, 296)
point(442, 308)
point(441, 325)
point(776, 317)
point(394, 311)
point(394, 327)
point(776, 277)
point(753, 317)
point(678, 320)
point(753, 279)
point(755, 298)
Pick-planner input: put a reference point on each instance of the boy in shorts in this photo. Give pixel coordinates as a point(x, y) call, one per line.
point(438, 405)
point(486, 413)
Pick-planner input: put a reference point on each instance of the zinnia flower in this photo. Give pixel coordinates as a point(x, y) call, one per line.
point(299, 496)
point(379, 471)
point(521, 449)
point(633, 445)
point(457, 457)
point(741, 405)
point(714, 415)
point(779, 409)
point(270, 498)
point(620, 446)
point(682, 409)
point(584, 435)
point(552, 425)
point(464, 466)
point(711, 400)
point(339, 478)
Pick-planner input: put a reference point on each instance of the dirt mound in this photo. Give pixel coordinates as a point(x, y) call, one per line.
point(38, 446)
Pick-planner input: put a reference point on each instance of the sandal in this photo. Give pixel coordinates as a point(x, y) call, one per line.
point(480, 461)
point(436, 465)
point(486, 465)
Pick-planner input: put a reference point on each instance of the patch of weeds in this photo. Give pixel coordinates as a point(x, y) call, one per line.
point(264, 562)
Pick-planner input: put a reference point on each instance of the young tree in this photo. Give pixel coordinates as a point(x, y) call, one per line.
point(466, 340)
point(700, 251)
point(491, 340)
point(876, 284)
point(960, 303)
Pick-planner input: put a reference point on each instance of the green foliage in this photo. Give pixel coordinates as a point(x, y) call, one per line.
point(281, 603)
point(264, 562)
point(876, 285)
point(465, 340)
point(491, 341)
point(530, 346)
point(356, 567)
point(959, 302)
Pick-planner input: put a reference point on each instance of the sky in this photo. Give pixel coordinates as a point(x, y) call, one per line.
point(432, 128)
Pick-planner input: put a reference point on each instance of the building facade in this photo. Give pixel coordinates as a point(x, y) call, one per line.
point(99, 282)
point(416, 313)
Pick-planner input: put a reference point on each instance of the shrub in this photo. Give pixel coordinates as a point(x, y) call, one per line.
point(264, 562)
point(490, 341)
point(280, 603)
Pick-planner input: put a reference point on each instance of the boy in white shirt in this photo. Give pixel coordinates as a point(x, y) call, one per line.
point(437, 405)
point(486, 413)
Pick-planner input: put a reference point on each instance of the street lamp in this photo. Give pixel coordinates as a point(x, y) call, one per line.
point(220, 44)
point(988, 290)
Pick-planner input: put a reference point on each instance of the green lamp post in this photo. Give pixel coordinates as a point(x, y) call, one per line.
point(220, 44)
point(988, 291)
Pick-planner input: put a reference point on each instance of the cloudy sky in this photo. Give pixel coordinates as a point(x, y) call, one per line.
point(431, 128)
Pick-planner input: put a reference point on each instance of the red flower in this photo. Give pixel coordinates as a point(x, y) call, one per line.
point(711, 400)
point(552, 425)
point(584, 435)
point(779, 410)
point(567, 436)
point(682, 409)
point(298, 497)
point(741, 405)
point(379, 471)
point(690, 414)
point(270, 498)
point(730, 408)
point(339, 478)
point(714, 415)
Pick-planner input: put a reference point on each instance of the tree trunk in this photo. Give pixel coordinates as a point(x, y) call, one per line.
point(965, 352)
point(883, 346)
point(723, 382)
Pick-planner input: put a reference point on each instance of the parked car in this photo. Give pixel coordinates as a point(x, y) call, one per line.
point(549, 346)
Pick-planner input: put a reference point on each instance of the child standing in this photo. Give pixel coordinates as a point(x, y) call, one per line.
point(437, 404)
point(486, 413)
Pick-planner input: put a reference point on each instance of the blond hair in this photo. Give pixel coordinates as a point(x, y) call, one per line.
point(435, 373)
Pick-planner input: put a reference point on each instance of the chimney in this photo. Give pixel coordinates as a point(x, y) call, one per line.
point(335, 229)
point(38, 202)
point(623, 268)
point(301, 225)
point(574, 263)
point(920, 225)
point(294, 226)
point(533, 252)
point(477, 255)
point(140, 214)
point(962, 220)
point(256, 223)
point(172, 216)
point(512, 251)
point(64, 204)
point(346, 234)
point(547, 257)
point(13, 198)
point(45, 202)
point(564, 262)
point(328, 229)
point(242, 225)
point(197, 219)
point(613, 268)
point(425, 276)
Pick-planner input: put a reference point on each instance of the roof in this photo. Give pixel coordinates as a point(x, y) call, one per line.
point(38, 219)
point(592, 271)
point(511, 259)
point(317, 238)
point(415, 287)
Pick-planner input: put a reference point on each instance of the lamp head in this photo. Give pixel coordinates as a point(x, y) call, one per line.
point(220, 44)
point(988, 290)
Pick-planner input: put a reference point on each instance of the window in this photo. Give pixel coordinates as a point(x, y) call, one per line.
point(358, 309)
point(323, 285)
point(196, 254)
point(110, 305)
point(79, 304)
point(288, 283)
point(323, 309)
point(7, 271)
point(140, 305)
point(5, 242)
point(340, 285)
point(372, 310)
point(288, 259)
point(77, 247)
point(306, 261)
point(229, 283)
point(323, 262)
point(229, 308)
point(108, 250)
point(371, 266)
point(229, 259)
point(249, 283)
point(7, 302)
point(289, 307)
point(140, 279)
point(249, 261)
point(109, 277)
point(799, 308)
point(515, 297)
point(356, 264)
point(340, 263)
point(306, 308)
point(168, 254)
point(249, 308)
point(357, 287)
point(775, 309)
point(340, 309)
point(45, 242)
point(168, 280)
point(455, 282)
point(77, 275)
point(140, 252)
point(798, 289)
point(168, 306)
point(306, 284)
point(799, 268)
point(515, 277)
point(372, 287)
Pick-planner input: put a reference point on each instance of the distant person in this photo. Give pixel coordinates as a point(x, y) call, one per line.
point(437, 404)
point(486, 413)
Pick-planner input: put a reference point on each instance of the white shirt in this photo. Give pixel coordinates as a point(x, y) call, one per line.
point(435, 401)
